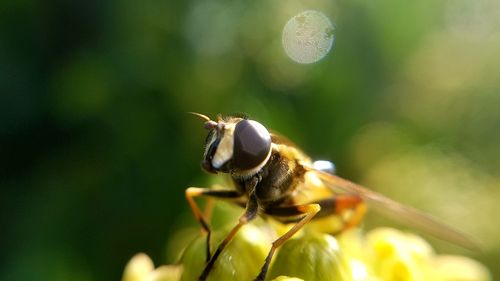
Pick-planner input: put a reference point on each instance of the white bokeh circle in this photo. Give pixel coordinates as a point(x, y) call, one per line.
point(308, 37)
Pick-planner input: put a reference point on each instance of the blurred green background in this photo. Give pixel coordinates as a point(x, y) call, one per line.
point(97, 150)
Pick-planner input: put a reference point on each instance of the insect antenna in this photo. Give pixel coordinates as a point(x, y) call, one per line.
point(209, 124)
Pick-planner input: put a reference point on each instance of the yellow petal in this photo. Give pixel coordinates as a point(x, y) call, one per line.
point(458, 268)
point(396, 255)
point(165, 273)
point(138, 268)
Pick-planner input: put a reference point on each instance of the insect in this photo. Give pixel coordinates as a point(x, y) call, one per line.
point(273, 177)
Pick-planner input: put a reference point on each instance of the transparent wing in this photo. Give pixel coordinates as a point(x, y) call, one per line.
point(397, 211)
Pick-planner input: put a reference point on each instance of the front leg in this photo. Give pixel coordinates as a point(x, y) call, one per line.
point(250, 213)
point(306, 213)
point(193, 192)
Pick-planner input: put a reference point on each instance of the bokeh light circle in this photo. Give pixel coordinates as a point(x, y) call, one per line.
point(308, 37)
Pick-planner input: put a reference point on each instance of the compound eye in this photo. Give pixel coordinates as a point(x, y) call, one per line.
point(252, 143)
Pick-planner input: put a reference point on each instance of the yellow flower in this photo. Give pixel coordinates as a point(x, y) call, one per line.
point(395, 255)
point(383, 254)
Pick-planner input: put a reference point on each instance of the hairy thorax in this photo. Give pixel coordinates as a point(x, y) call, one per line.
point(276, 182)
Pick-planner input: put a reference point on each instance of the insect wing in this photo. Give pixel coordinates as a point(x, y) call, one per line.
point(397, 211)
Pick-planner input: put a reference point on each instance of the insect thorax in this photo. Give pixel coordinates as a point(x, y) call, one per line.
point(276, 181)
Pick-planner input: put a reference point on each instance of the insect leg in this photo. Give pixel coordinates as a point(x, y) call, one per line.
point(250, 213)
point(193, 192)
point(338, 204)
point(308, 211)
point(344, 202)
point(209, 207)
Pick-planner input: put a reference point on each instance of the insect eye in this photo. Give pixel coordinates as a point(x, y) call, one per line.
point(252, 143)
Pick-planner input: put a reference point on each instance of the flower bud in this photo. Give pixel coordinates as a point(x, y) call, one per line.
point(286, 278)
point(241, 260)
point(138, 268)
point(311, 256)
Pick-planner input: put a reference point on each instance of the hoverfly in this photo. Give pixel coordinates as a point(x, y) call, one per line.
point(273, 177)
